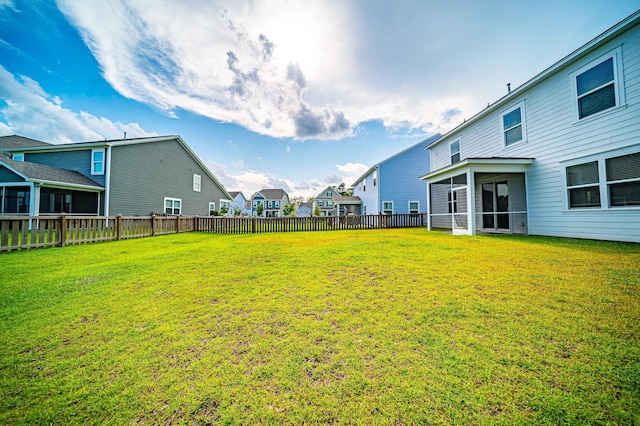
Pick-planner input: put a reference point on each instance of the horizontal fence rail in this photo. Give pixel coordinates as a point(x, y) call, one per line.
point(27, 232)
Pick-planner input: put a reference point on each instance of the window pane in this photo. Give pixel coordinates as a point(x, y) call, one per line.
point(595, 77)
point(176, 204)
point(624, 167)
point(625, 194)
point(455, 158)
point(582, 174)
point(168, 203)
point(97, 156)
point(455, 147)
point(512, 136)
point(512, 119)
point(584, 197)
point(460, 180)
point(597, 101)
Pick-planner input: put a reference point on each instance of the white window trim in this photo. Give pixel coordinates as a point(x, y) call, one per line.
point(451, 154)
point(409, 206)
point(212, 207)
point(173, 200)
point(93, 163)
point(18, 156)
point(523, 123)
point(392, 207)
point(197, 183)
point(618, 79)
point(605, 202)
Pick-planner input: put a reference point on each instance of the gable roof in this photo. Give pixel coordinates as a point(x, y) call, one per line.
point(424, 143)
point(322, 193)
point(622, 26)
point(234, 194)
point(33, 172)
point(16, 141)
point(272, 194)
point(46, 147)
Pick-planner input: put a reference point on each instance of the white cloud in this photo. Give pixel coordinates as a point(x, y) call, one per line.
point(278, 68)
point(32, 112)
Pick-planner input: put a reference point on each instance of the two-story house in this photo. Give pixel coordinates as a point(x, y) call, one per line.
point(324, 201)
point(272, 200)
point(393, 186)
point(558, 156)
point(130, 177)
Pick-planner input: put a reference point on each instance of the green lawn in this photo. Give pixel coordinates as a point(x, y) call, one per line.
point(366, 327)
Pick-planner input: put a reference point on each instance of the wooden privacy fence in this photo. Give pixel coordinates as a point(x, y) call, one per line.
point(26, 232)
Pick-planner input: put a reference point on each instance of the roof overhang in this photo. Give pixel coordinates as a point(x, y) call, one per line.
point(480, 165)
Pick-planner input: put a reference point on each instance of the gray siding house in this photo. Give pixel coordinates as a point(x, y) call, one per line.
point(324, 201)
point(131, 177)
point(558, 156)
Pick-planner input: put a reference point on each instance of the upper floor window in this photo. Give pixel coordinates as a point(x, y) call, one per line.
point(329, 193)
point(97, 161)
point(172, 205)
point(17, 156)
point(454, 151)
point(197, 183)
point(597, 85)
point(513, 125)
point(375, 178)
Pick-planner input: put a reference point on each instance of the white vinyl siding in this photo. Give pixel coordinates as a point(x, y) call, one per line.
point(172, 206)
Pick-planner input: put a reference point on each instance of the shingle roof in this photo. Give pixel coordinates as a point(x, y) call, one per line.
point(272, 194)
point(345, 200)
point(15, 141)
point(234, 194)
point(39, 172)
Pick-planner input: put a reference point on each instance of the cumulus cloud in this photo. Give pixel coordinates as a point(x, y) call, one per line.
point(29, 110)
point(248, 181)
point(277, 68)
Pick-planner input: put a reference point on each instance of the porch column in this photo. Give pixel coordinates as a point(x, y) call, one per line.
point(471, 205)
point(428, 206)
point(34, 199)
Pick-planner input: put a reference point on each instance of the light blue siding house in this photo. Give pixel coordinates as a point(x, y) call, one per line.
point(393, 186)
point(557, 156)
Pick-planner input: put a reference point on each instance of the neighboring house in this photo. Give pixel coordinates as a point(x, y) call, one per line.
point(393, 186)
point(273, 201)
point(347, 206)
point(131, 177)
point(239, 202)
point(305, 209)
point(324, 201)
point(558, 156)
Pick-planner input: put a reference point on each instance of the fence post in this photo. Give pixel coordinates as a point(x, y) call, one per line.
point(253, 225)
point(119, 227)
point(178, 224)
point(196, 223)
point(153, 225)
point(63, 229)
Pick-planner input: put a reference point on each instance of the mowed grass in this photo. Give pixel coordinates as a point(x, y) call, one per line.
point(366, 327)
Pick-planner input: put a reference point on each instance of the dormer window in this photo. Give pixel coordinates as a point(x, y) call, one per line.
point(17, 156)
point(97, 161)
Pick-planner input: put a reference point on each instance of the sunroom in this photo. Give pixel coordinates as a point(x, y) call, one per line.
point(485, 195)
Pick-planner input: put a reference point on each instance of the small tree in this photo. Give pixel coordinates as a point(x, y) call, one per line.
point(224, 210)
point(289, 209)
point(316, 210)
point(237, 211)
point(260, 209)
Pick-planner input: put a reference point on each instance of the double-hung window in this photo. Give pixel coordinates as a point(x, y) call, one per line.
point(212, 209)
point(414, 207)
point(197, 183)
point(623, 180)
point(387, 207)
point(597, 85)
point(454, 151)
point(172, 206)
point(513, 127)
point(605, 182)
point(97, 161)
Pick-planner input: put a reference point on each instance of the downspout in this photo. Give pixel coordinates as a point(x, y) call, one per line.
point(107, 182)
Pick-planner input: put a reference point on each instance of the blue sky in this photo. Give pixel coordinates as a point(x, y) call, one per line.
point(276, 94)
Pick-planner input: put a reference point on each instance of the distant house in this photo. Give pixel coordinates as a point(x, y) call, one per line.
point(305, 209)
point(393, 186)
point(558, 156)
point(324, 201)
point(239, 202)
point(131, 177)
point(273, 201)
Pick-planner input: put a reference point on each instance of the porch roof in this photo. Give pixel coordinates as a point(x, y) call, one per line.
point(483, 165)
point(50, 176)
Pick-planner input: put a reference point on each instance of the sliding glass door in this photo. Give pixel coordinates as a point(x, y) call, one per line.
point(495, 206)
